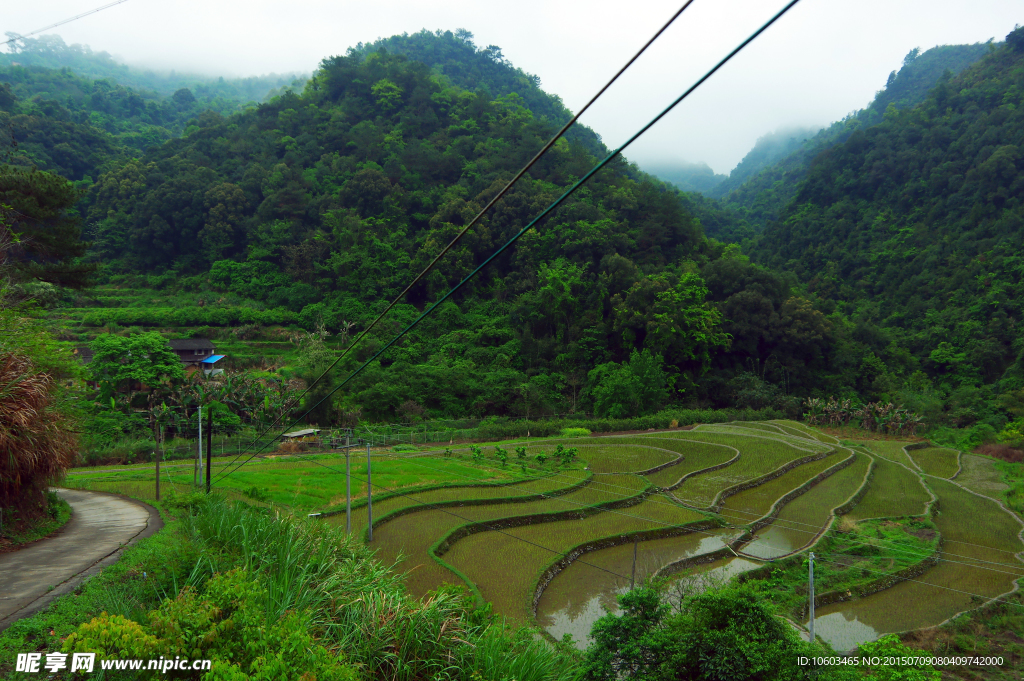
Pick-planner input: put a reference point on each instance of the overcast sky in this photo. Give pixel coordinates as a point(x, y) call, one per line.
point(821, 61)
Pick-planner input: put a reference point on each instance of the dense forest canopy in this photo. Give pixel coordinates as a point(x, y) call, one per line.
point(317, 206)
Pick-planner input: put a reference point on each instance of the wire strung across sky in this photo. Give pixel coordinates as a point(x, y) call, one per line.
point(497, 197)
point(61, 23)
point(579, 183)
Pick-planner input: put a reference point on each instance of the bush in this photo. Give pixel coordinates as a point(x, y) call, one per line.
point(575, 432)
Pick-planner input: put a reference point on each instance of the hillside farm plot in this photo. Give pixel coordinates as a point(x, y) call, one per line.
point(506, 565)
point(980, 541)
point(411, 535)
point(752, 504)
point(891, 450)
point(580, 593)
point(696, 456)
point(893, 491)
point(758, 456)
point(805, 517)
point(797, 429)
point(615, 455)
point(388, 504)
point(313, 483)
point(938, 461)
point(979, 474)
point(807, 444)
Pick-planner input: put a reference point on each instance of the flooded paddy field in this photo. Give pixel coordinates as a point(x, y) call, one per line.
point(804, 518)
point(752, 504)
point(980, 540)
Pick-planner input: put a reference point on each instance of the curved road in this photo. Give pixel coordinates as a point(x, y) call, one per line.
point(101, 526)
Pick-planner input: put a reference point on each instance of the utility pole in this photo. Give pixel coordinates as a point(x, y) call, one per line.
point(632, 578)
point(810, 566)
point(348, 490)
point(209, 447)
point(157, 456)
point(200, 460)
point(369, 492)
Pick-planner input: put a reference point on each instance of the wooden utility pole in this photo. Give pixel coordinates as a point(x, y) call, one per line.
point(157, 456)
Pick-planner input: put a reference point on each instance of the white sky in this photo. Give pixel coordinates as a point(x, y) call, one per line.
point(819, 62)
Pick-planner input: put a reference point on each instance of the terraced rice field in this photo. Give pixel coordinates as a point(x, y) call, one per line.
point(977, 557)
point(938, 461)
point(500, 529)
point(758, 456)
point(804, 518)
point(894, 491)
point(979, 475)
point(749, 505)
point(485, 558)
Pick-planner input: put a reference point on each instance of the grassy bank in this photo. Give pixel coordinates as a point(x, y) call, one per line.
point(17, 530)
point(298, 597)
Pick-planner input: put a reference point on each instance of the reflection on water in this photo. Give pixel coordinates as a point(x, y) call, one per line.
point(979, 541)
point(586, 591)
point(775, 541)
point(843, 630)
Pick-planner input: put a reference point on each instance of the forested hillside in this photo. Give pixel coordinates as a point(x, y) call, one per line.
point(766, 182)
point(318, 206)
point(915, 227)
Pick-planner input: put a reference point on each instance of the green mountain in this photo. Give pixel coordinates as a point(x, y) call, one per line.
point(51, 52)
point(915, 227)
point(758, 189)
point(688, 177)
point(315, 207)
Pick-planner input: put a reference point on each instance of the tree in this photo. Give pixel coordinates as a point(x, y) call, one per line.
point(120, 362)
point(623, 390)
point(719, 635)
point(46, 233)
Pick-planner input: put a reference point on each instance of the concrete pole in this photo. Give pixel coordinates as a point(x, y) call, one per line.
point(200, 444)
point(632, 578)
point(369, 493)
point(348, 490)
point(810, 566)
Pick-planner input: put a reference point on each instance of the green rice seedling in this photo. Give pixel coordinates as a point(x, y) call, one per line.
point(696, 456)
point(508, 576)
point(979, 541)
point(751, 504)
point(409, 537)
point(980, 475)
point(387, 504)
point(938, 461)
point(758, 456)
point(893, 491)
point(801, 520)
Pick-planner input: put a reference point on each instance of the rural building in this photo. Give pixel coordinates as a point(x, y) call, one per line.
point(196, 354)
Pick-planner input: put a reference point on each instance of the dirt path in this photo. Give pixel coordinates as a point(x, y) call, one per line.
point(101, 526)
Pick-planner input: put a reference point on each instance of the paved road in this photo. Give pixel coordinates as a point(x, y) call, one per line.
point(101, 526)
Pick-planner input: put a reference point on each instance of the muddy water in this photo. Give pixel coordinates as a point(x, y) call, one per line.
point(979, 541)
point(582, 594)
point(577, 596)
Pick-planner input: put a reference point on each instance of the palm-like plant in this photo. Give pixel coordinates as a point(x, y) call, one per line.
point(37, 444)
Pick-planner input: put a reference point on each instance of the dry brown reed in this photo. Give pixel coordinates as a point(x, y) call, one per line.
point(37, 445)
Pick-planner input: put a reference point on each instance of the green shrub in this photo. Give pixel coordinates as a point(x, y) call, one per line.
point(575, 432)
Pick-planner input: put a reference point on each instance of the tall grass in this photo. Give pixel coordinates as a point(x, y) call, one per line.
point(359, 605)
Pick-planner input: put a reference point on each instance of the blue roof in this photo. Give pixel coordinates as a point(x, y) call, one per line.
point(213, 358)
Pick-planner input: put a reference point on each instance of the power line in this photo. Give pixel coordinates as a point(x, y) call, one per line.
point(491, 203)
point(918, 581)
point(579, 183)
point(61, 23)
